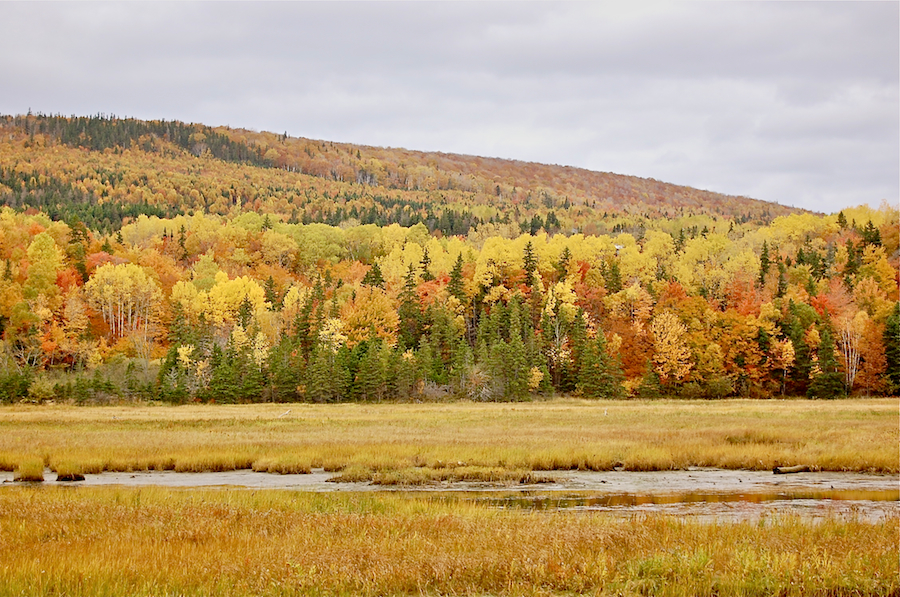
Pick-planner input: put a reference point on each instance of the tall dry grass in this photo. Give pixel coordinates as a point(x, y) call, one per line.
point(371, 440)
point(106, 541)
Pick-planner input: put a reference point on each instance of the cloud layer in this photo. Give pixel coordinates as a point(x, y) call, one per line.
point(797, 103)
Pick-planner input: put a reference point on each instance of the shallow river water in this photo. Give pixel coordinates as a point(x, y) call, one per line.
point(699, 493)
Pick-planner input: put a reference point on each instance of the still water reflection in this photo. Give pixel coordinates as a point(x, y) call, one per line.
point(866, 504)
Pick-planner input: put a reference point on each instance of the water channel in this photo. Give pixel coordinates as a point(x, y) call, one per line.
point(706, 494)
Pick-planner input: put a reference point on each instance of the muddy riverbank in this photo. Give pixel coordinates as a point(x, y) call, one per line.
point(699, 493)
point(699, 480)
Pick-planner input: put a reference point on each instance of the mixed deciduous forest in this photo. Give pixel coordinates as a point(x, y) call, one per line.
point(182, 262)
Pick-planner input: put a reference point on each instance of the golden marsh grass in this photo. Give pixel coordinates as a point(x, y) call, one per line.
point(30, 470)
point(115, 541)
point(844, 435)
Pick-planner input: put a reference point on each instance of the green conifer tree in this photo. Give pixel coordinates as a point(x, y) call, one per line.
point(612, 276)
point(328, 375)
point(374, 277)
point(529, 261)
point(515, 367)
point(170, 379)
point(599, 376)
point(224, 383)
point(871, 235)
point(370, 374)
point(828, 382)
point(562, 266)
point(271, 293)
point(456, 286)
point(409, 311)
point(407, 377)
point(797, 320)
point(764, 264)
point(286, 370)
point(425, 360)
point(424, 265)
point(180, 331)
point(182, 238)
point(245, 313)
point(782, 280)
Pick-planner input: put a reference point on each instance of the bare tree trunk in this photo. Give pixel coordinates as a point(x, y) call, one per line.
point(850, 352)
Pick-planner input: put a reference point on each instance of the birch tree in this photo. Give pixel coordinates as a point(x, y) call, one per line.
point(851, 328)
point(126, 297)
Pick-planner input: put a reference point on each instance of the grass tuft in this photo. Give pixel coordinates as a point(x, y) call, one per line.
point(68, 471)
point(283, 465)
point(354, 473)
point(412, 476)
point(30, 471)
point(213, 462)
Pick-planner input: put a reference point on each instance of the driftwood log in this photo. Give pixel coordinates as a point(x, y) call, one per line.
point(784, 470)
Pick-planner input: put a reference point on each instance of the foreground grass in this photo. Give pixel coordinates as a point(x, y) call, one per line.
point(105, 541)
point(399, 443)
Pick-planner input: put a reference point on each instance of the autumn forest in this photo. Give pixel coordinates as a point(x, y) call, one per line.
point(154, 260)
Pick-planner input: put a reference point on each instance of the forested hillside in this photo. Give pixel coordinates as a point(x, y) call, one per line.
point(163, 260)
point(105, 171)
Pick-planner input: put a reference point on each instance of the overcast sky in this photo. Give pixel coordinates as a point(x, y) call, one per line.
point(797, 103)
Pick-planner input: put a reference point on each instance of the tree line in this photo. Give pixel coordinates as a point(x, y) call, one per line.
point(255, 308)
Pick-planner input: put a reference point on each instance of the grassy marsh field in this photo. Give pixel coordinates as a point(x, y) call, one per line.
point(65, 540)
point(114, 541)
point(397, 443)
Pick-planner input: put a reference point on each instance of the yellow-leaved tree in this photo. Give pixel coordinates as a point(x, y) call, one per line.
point(45, 260)
point(672, 356)
point(370, 314)
point(127, 299)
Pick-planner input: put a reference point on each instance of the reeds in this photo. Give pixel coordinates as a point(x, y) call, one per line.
point(108, 541)
point(845, 435)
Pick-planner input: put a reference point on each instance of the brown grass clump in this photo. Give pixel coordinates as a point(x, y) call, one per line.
point(68, 471)
point(412, 476)
point(30, 470)
point(283, 465)
point(213, 462)
point(108, 541)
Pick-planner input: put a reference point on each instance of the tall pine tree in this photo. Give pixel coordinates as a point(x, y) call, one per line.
point(827, 382)
point(456, 286)
point(599, 375)
point(409, 311)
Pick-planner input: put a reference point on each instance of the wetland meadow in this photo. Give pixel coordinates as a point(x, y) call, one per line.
point(540, 498)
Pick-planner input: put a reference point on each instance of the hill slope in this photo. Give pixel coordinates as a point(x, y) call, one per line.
point(105, 171)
